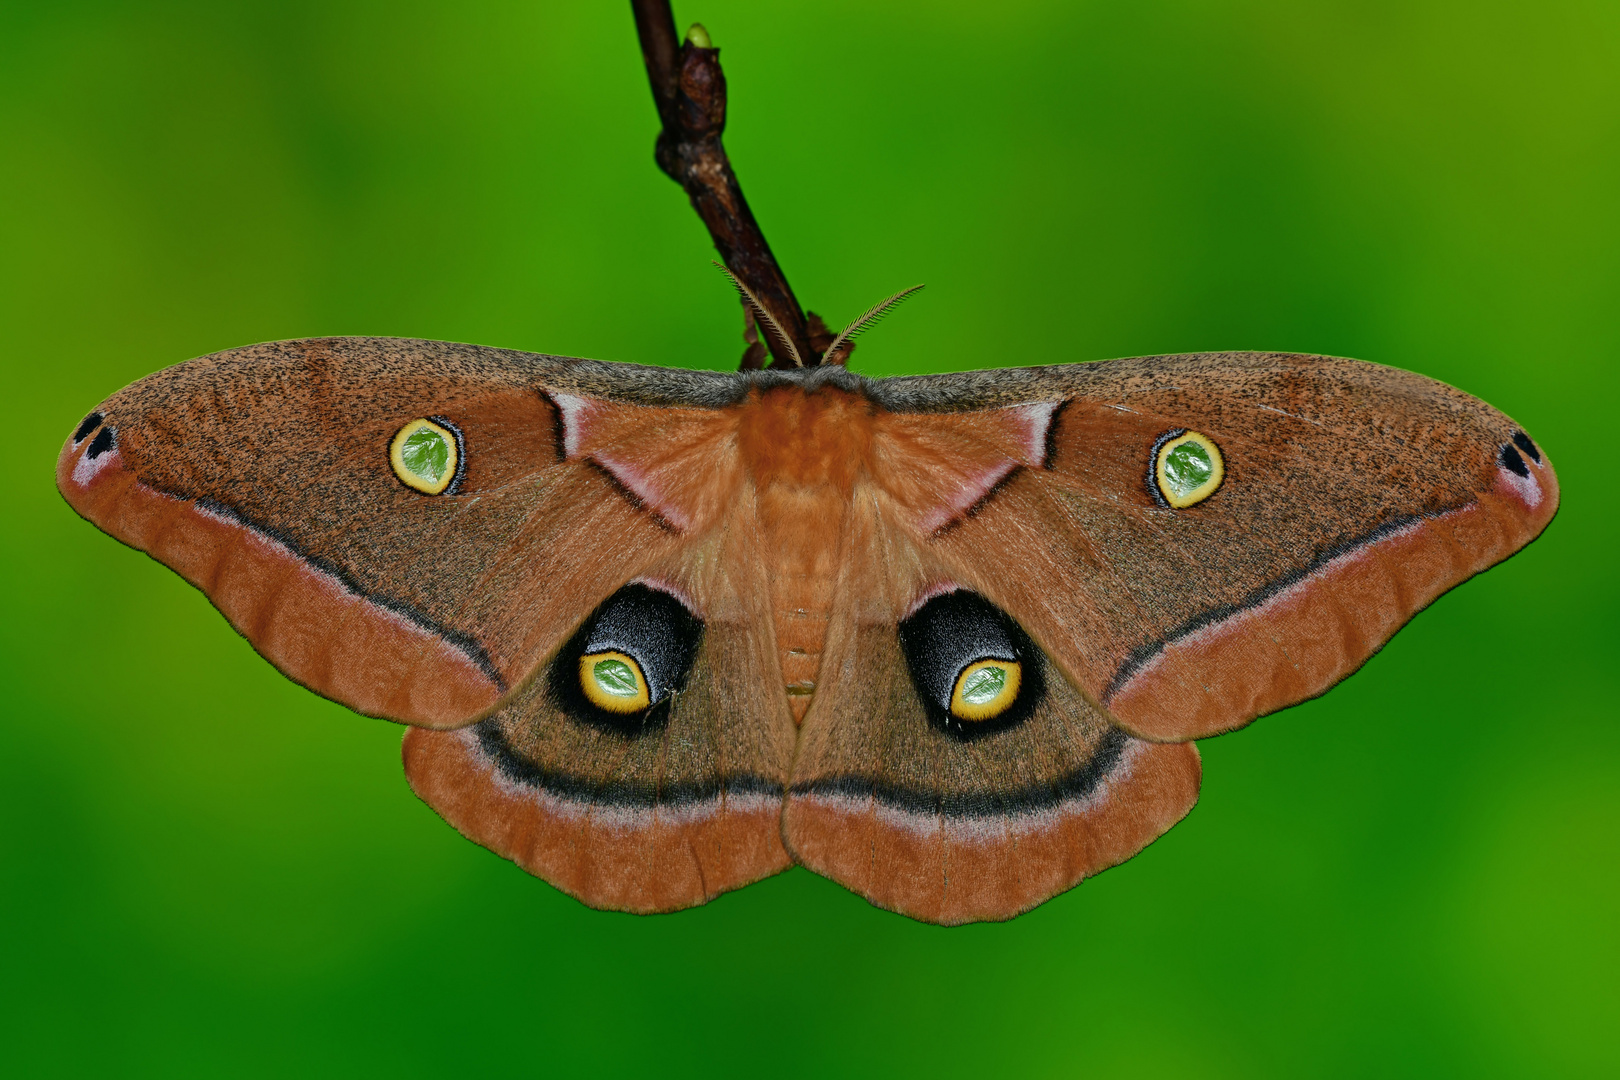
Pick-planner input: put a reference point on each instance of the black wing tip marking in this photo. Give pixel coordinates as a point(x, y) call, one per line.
point(102, 443)
point(1525, 443)
point(89, 424)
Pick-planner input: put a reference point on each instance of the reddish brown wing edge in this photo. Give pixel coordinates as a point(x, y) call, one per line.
point(640, 860)
point(1203, 682)
point(651, 819)
point(1298, 634)
point(952, 871)
point(950, 830)
point(302, 619)
point(395, 667)
point(174, 465)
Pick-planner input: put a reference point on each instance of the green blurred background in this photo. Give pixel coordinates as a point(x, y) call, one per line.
point(204, 868)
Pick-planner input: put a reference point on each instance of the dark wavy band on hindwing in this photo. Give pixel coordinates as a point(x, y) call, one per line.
point(1071, 787)
point(511, 763)
point(647, 624)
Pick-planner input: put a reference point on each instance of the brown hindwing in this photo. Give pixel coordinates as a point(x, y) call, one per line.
point(644, 812)
point(938, 821)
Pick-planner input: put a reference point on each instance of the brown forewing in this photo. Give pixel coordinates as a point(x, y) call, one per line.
point(1354, 495)
point(262, 476)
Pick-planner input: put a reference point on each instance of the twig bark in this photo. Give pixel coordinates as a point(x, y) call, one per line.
point(690, 91)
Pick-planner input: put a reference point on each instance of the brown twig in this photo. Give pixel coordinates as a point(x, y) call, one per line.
point(690, 91)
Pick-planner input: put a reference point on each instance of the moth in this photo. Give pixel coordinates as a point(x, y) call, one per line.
point(945, 639)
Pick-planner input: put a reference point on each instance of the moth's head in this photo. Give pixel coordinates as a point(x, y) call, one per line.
point(782, 344)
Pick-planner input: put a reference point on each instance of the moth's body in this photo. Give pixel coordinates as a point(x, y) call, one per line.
point(808, 448)
point(944, 639)
point(803, 451)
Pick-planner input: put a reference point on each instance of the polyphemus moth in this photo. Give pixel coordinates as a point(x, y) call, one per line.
point(945, 639)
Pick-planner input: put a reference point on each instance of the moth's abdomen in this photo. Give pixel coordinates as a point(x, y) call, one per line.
point(802, 527)
point(803, 451)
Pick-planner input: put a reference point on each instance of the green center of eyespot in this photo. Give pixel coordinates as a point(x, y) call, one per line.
point(616, 678)
point(1187, 468)
point(984, 685)
point(427, 454)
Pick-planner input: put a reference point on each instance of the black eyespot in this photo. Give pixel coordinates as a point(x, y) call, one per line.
point(90, 424)
point(1522, 441)
point(100, 444)
point(1512, 462)
point(646, 625)
point(957, 629)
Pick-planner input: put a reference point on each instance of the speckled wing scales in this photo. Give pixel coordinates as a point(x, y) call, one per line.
point(942, 824)
point(270, 478)
point(664, 811)
point(262, 475)
point(1046, 581)
point(1353, 495)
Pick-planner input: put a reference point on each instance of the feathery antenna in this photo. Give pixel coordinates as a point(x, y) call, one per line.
point(868, 318)
point(764, 317)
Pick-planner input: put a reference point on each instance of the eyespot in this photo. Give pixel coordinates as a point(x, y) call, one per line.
point(625, 664)
point(974, 669)
point(1187, 468)
point(427, 455)
point(986, 689)
point(613, 681)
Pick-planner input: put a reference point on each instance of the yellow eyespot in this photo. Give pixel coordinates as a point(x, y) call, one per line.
point(986, 689)
point(424, 456)
point(1188, 468)
point(613, 681)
